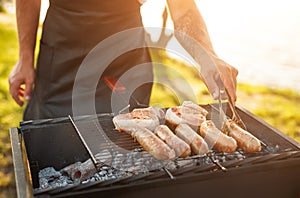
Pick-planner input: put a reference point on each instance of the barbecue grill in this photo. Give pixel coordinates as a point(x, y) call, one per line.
point(273, 172)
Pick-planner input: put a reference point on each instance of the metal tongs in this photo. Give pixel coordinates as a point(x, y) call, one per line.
point(235, 116)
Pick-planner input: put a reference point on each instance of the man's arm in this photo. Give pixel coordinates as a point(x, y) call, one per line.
point(27, 14)
point(192, 34)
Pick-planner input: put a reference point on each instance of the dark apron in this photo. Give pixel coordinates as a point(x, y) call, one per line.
point(71, 29)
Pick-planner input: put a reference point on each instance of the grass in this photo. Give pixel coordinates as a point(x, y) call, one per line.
point(10, 113)
point(279, 107)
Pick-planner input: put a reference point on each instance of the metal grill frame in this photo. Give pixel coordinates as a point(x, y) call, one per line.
point(282, 167)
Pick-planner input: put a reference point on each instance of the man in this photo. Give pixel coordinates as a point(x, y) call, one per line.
point(73, 28)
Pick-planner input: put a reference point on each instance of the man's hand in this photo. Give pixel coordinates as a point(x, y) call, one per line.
point(218, 77)
point(27, 13)
point(22, 74)
point(192, 34)
point(228, 75)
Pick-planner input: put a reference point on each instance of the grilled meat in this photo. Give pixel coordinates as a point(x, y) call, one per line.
point(137, 119)
point(245, 140)
point(196, 142)
point(216, 139)
point(189, 107)
point(144, 113)
point(189, 113)
point(152, 144)
point(182, 149)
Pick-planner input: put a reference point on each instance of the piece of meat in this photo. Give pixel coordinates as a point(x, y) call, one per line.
point(153, 145)
point(182, 149)
point(189, 113)
point(196, 142)
point(191, 108)
point(129, 122)
point(245, 140)
point(173, 116)
point(146, 112)
point(216, 139)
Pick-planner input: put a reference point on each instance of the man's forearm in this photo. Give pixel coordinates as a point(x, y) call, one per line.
point(192, 34)
point(27, 12)
point(190, 28)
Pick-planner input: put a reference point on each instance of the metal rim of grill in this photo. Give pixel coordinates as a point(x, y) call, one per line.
point(288, 150)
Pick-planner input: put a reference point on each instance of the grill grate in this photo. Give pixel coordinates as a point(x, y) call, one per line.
point(276, 149)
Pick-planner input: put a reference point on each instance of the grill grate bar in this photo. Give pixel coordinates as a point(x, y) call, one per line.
point(117, 142)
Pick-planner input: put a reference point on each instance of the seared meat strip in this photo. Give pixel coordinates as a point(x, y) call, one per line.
point(216, 139)
point(182, 149)
point(196, 142)
point(152, 144)
point(245, 140)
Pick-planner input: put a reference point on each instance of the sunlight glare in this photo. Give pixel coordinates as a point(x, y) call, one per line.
point(151, 12)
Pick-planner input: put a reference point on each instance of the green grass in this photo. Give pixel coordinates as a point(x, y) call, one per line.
point(279, 107)
point(10, 113)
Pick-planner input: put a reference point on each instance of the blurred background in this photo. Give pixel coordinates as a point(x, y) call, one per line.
point(260, 38)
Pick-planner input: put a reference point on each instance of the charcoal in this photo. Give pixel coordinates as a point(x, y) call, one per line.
point(85, 171)
point(69, 170)
point(103, 172)
point(50, 178)
point(118, 165)
point(79, 172)
point(107, 173)
point(44, 183)
point(49, 173)
point(136, 162)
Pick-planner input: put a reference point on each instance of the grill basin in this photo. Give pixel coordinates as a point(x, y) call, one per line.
point(53, 142)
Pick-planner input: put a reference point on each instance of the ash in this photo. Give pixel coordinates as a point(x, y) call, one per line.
point(107, 173)
point(50, 178)
point(137, 161)
point(122, 165)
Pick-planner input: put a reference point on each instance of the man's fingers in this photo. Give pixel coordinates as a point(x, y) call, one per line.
point(233, 82)
point(212, 85)
point(232, 95)
point(27, 91)
point(18, 100)
point(216, 86)
point(21, 81)
point(221, 87)
point(14, 92)
point(232, 92)
point(21, 93)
